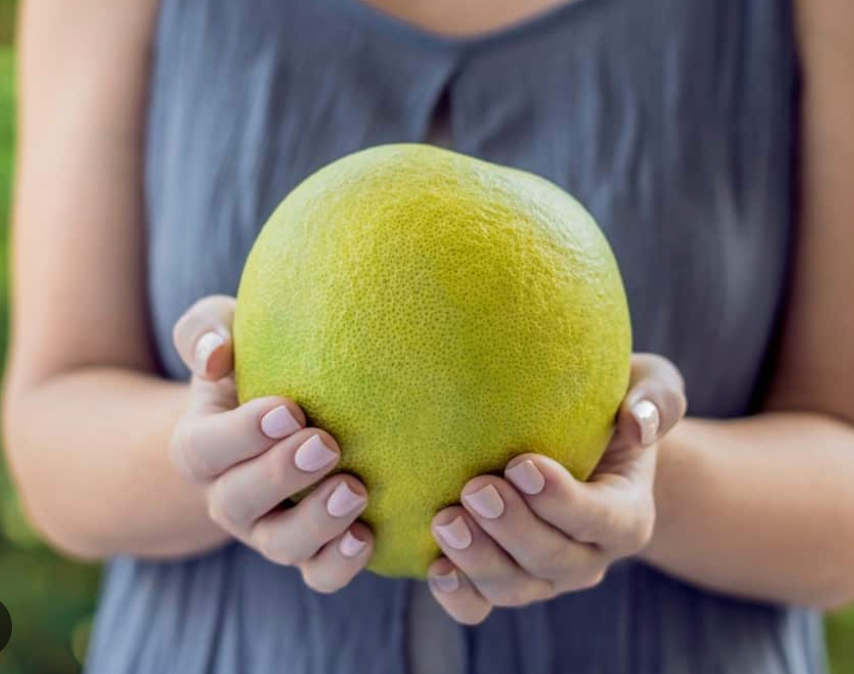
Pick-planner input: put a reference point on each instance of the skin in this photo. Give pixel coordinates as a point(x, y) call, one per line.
point(758, 507)
point(449, 17)
point(535, 537)
point(246, 465)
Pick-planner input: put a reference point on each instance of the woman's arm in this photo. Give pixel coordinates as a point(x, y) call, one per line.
point(87, 427)
point(761, 507)
point(98, 442)
point(764, 507)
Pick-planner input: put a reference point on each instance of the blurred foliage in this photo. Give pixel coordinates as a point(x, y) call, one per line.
point(840, 641)
point(7, 21)
point(52, 599)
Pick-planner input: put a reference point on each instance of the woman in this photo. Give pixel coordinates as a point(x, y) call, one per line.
point(156, 138)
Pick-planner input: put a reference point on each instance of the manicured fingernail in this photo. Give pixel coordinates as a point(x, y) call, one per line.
point(313, 455)
point(279, 423)
point(344, 501)
point(350, 546)
point(527, 477)
point(456, 534)
point(486, 502)
point(646, 414)
point(205, 346)
point(448, 582)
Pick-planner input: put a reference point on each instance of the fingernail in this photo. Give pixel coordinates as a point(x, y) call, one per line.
point(279, 423)
point(486, 502)
point(456, 534)
point(527, 477)
point(313, 455)
point(350, 546)
point(448, 582)
point(646, 414)
point(205, 346)
point(344, 501)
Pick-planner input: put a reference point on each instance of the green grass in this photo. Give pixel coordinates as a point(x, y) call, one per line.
point(52, 599)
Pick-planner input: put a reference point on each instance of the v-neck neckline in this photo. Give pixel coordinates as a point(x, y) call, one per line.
point(413, 32)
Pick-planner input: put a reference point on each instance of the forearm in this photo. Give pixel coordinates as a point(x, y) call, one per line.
point(90, 450)
point(761, 507)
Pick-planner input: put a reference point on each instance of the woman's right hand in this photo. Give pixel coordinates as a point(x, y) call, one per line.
point(249, 458)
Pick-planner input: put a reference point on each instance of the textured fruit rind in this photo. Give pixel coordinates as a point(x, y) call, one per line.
point(438, 315)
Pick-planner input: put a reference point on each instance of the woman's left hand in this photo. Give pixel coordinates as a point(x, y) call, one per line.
point(539, 532)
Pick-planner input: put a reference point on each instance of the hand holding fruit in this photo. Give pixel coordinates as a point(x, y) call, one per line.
point(538, 532)
point(250, 458)
point(532, 535)
point(441, 315)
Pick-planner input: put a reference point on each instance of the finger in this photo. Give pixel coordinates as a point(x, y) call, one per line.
point(616, 515)
point(296, 534)
point(655, 401)
point(495, 575)
point(253, 488)
point(456, 594)
point(212, 397)
point(538, 547)
point(205, 446)
point(340, 560)
point(202, 337)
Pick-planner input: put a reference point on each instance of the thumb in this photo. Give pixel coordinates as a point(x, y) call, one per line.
point(202, 337)
point(655, 401)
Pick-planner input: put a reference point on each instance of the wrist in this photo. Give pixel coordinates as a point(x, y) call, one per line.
point(679, 466)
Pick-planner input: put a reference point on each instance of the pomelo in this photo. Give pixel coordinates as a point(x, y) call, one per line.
point(438, 315)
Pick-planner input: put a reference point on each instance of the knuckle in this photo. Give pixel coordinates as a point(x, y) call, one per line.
point(215, 513)
point(447, 515)
point(177, 443)
point(582, 580)
point(272, 549)
point(180, 450)
point(597, 525)
point(657, 361)
point(645, 528)
point(182, 328)
point(661, 366)
point(322, 526)
point(503, 599)
point(677, 404)
point(284, 556)
point(209, 305)
point(276, 468)
point(515, 594)
point(324, 583)
point(590, 579)
point(195, 458)
point(682, 408)
point(231, 511)
point(474, 618)
point(552, 563)
point(566, 493)
point(199, 307)
point(638, 532)
point(611, 520)
point(644, 537)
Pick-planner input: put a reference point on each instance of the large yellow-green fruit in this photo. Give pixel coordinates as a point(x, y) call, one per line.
point(438, 315)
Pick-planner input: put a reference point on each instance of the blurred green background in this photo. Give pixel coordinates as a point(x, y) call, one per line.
point(52, 599)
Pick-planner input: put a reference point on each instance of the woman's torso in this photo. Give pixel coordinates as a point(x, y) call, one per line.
point(671, 120)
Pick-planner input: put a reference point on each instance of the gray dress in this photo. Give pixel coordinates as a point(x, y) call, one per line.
point(672, 120)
